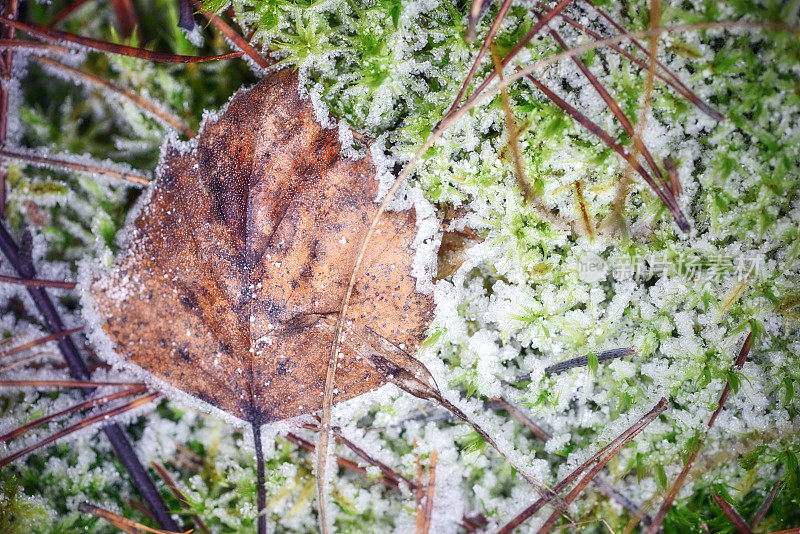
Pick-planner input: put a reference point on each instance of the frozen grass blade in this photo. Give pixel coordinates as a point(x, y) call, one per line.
point(727, 508)
point(26, 360)
point(528, 193)
point(344, 463)
point(103, 416)
point(120, 522)
point(151, 108)
point(603, 456)
point(612, 143)
point(85, 165)
point(678, 484)
point(35, 282)
point(514, 411)
point(672, 171)
point(162, 472)
point(761, 513)
point(90, 403)
point(233, 36)
point(583, 212)
point(49, 34)
point(39, 341)
point(410, 375)
point(616, 220)
point(88, 384)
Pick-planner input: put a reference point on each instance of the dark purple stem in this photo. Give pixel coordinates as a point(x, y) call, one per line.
point(79, 371)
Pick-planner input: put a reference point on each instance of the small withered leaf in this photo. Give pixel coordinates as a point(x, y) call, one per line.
point(245, 242)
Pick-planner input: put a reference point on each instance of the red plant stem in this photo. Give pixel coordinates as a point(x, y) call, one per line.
point(678, 484)
point(43, 32)
point(89, 384)
point(77, 368)
point(708, 110)
point(761, 513)
point(599, 455)
point(590, 125)
point(124, 17)
point(428, 512)
point(341, 462)
point(35, 282)
point(69, 10)
point(606, 96)
point(162, 472)
point(138, 100)
point(7, 64)
point(519, 46)
point(90, 403)
point(501, 14)
point(82, 424)
point(122, 523)
point(602, 484)
point(96, 168)
point(739, 524)
point(243, 45)
point(663, 73)
point(39, 341)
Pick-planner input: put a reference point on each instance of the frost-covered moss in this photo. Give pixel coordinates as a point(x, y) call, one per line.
point(528, 296)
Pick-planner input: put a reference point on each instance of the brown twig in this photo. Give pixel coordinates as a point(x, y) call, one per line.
point(615, 219)
point(678, 84)
point(11, 44)
point(92, 168)
point(66, 12)
point(501, 14)
point(604, 455)
point(602, 484)
point(39, 341)
point(426, 511)
point(35, 282)
point(103, 416)
point(663, 73)
point(761, 513)
point(678, 484)
point(727, 508)
point(120, 522)
point(63, 383)
point(90, 403)
point(23, 265)
point(149, 107)
point(43, 32)
point(11, 8)
point(162, 472)
point(233, 36)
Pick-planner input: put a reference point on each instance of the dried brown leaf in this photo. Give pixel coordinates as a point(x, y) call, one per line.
point(245, 241)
